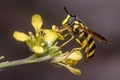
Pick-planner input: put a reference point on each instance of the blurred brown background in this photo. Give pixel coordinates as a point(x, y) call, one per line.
point(102, 16)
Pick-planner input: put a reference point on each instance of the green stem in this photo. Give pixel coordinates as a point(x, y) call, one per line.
point(31, 59)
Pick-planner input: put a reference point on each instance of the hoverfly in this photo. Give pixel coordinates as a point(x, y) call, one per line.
point(80, 32)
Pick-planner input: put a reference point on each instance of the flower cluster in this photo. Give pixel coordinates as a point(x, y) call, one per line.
point(45, 42)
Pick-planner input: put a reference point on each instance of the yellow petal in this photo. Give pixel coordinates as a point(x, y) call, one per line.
point(38, 49)
point(71, 62)
point(50, 37)
point(73, 70)
point(55, 28)
point(76, 55)
point(37, 22)
point(20, 36)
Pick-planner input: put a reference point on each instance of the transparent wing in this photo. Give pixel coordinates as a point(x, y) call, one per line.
point(95, 35)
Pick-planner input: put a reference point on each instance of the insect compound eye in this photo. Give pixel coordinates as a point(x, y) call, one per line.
point(71, 20)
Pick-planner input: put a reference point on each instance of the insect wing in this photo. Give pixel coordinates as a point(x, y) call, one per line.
point(96, 35)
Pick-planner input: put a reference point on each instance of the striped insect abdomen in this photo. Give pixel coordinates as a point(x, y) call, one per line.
point(88, 45)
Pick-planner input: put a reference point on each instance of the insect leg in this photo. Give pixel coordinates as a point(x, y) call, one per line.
point(76, 49)
point(72, 37)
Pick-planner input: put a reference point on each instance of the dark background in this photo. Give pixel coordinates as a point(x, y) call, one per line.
point(102, 16)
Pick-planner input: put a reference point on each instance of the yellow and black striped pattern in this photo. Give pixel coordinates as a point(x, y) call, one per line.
point(88, 44)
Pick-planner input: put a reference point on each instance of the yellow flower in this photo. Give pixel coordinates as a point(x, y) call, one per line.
point(31, 40)
point(67, 60)
point(37, 42)
point(37, 22)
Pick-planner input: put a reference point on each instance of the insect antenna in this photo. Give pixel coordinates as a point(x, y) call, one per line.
point(67, 11)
